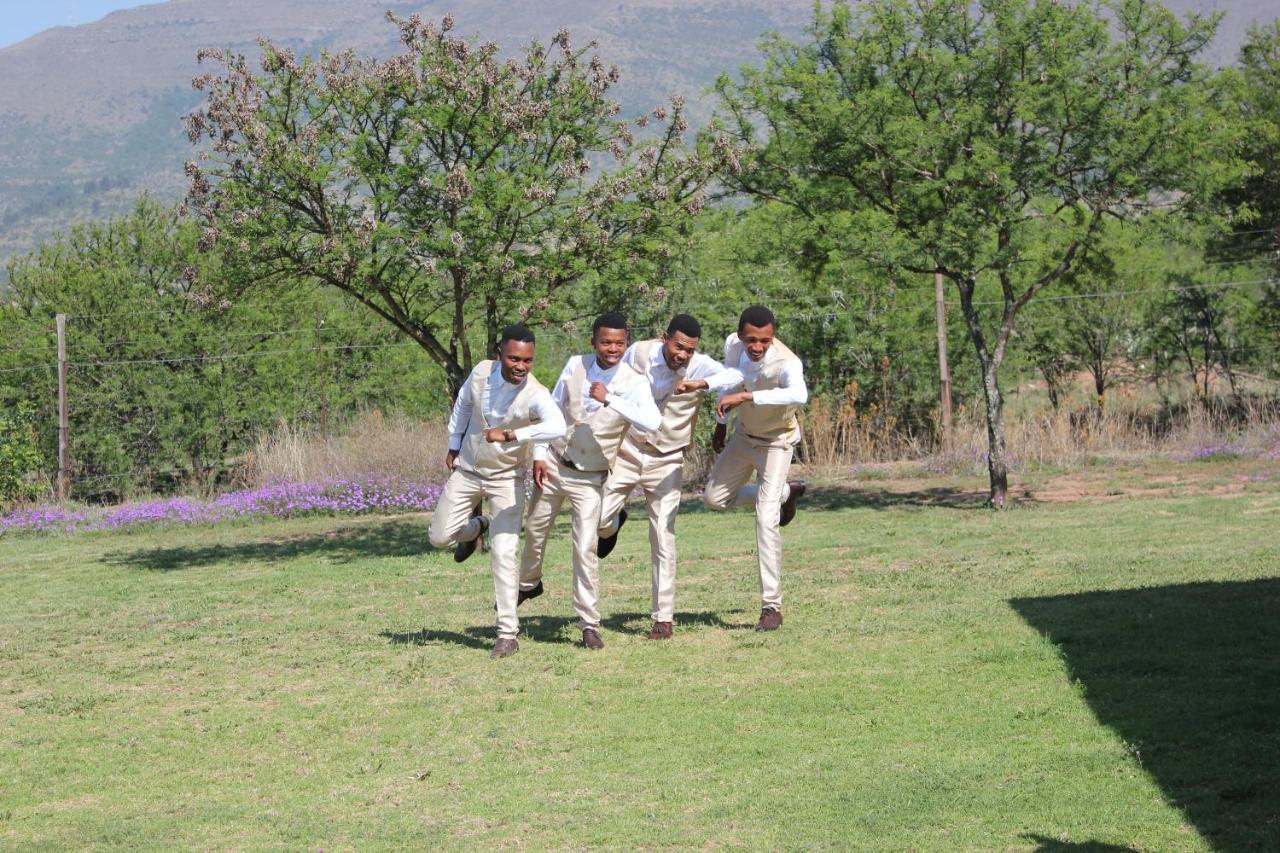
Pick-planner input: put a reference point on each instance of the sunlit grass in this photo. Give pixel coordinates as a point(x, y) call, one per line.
point(325, 683)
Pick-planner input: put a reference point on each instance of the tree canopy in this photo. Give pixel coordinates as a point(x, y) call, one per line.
point(987, 141)
point(445, 187)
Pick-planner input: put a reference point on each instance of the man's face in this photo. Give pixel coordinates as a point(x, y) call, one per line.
point(677, 349)
point(756, 340)
point(609, 345)
point(517, 360)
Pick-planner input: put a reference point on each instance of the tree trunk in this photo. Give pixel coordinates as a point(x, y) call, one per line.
point(997, 466)
point(454, 376)
point(1051, 385)
point(1098, 369)
point(491, 329)
point(989, 367)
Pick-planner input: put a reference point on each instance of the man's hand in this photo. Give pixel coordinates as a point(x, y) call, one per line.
point(450, 459)
point(717, 438)
point(599, 392)
point(540, 469)
point(497, 435)
point(688, 386)
point(729, 402)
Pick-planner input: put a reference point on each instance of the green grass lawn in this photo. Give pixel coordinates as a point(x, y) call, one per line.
point(1086, 675)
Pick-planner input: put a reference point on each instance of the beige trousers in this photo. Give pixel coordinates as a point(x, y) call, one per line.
point(728, 487)
point(584, 491)
point(451, 523)
point(658, 475)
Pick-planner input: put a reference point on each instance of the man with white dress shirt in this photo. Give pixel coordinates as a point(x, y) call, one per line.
point(601, 399)
point(764, 439)
point(653, 460)
point(500, 411)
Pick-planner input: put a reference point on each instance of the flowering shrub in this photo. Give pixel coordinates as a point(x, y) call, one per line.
point(354, 496)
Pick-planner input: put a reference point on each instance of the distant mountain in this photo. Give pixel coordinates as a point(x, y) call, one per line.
point(89, 115)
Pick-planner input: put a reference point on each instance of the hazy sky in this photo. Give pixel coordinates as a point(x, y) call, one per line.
point(22, 18)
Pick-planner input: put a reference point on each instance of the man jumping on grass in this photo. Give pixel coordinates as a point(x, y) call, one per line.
point(653, 460)
point(601, 399)
point(499, 412)
point(763, 442)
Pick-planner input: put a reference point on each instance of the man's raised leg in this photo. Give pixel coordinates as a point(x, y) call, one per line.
point(506, 505)
point(451, 520)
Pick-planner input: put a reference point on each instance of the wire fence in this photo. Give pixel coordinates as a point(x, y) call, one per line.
point(138, 438)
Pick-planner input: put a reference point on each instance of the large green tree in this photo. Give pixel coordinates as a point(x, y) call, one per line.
point(986, 141)
point(445, 188)
point(165, 388)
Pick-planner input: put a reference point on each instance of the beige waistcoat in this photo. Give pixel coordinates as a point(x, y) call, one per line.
point(490, 459)
point(775, 424)
point(679, 411)
point(591, 443)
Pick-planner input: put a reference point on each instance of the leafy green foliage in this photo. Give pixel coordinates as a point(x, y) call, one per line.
point(167, 388)
point(984, 141)
point(443, 187)
point(20, 457)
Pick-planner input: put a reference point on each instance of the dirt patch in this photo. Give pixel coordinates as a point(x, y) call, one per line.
point(1144, 479)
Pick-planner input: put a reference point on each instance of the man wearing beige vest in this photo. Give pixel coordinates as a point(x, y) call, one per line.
point(499, 412)
point(763, 441)
point(601, 398)
point(653, 461)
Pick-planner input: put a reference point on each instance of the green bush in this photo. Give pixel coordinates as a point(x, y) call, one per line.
point(19, 454)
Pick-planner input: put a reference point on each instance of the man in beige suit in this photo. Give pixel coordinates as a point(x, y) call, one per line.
point(653, 461)
point(600, 398)
point(763, 441)
point(500, 411)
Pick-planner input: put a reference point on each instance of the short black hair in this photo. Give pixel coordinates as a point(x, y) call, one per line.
point(758, 316)
point(518, 332)
point(608, 320)
point(685, 324)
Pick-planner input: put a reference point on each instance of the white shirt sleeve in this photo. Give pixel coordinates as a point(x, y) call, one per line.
point(718, 377)
point(560, 392)
point(791, 390)
point(629, 359)
point(460, 417)
point(560, 397)
point(550, 425)
point(635, 403)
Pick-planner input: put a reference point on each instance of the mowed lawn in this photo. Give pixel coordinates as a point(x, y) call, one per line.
point(1100, 674)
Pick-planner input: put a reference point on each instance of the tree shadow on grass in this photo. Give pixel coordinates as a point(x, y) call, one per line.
point(1044, 844)
point(1189, 677)
point(552, 629)
point(829, 498)
point(541, 629)
point(391, 539)
point(639, 624)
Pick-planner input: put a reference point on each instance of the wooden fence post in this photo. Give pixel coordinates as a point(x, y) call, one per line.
point(64, 451)
point(944, 369)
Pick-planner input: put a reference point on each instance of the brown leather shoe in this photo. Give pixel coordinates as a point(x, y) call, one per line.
point(504, 648)
point(463, 550)
point(788, 511)
point(770, 620)
point(591, 639)
point(659, 631)
point(526, 594)
point(605, 544)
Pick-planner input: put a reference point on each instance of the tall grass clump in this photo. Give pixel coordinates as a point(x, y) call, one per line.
point(370, 443)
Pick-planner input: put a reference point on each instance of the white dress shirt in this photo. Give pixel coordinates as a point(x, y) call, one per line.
point(635, 402)
point(498, 396)
point(662, 379)
point(791, 390)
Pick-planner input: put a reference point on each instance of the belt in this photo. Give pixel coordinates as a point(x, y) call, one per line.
point(573, 466)
point(653, 451)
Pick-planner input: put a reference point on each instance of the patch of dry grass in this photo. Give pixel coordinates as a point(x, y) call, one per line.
point(840, 434)
point(370, 443)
